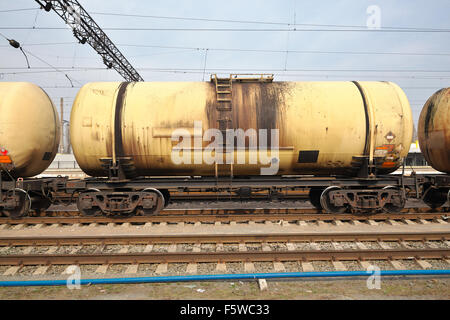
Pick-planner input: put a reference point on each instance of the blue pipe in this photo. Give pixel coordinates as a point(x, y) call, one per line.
point(244, 276)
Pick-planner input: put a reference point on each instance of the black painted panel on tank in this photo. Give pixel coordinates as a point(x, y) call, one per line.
point(308, 156)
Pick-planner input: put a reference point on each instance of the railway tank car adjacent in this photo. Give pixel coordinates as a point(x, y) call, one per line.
point(434, 130)
point(434, 141)
point(325, 128)
point(29, 140)
point(29, 129)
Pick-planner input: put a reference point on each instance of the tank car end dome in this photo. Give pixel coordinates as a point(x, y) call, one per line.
point(434, 130)
point(29, 128)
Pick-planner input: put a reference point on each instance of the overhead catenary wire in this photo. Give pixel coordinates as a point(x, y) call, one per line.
point(280, 75)
point(283, 73)
point(44, 44)
point(17, 10)
point(241, 69)
point(53, 67)
point(16, 44)
point(289, 51)
point(201, 48)
point(257, 69)
point(253, 21)
point(97, 58)
point(240, 29)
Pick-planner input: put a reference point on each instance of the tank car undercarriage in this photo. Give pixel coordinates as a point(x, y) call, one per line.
point(148, 196)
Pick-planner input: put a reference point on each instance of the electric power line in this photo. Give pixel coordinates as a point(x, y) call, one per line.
point(242, 29)
point(44, 44)
point(17, 10)
point(254, 22)
point(17, 45)
point(253, 69)
point(287, 51)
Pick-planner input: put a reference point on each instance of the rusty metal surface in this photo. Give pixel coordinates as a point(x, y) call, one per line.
point(321, 117)
point(434, 130)
point(29, 127)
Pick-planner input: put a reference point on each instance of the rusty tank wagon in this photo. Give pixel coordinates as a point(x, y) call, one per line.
point(139, 142)
point(325, 128)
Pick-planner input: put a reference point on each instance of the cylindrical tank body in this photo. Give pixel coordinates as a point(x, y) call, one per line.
point(29, 128)
point(323, 127)
point(434, 130)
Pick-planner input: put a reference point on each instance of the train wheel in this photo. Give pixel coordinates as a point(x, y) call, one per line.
point(435, 198)
point(24, 204)
point(314, 197)
point(393, 208)
point(160, 202)
point(84, 202)
point(325, 201)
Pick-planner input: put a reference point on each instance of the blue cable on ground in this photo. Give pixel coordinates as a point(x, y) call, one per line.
point(245, 276)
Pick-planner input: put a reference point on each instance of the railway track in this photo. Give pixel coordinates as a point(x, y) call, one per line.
point(224, 238)
point(224, 252)
point(44, 252)
point(211, 215)
point(214, 257)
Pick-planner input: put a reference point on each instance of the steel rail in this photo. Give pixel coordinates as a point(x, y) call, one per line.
point(220, 217)
point(222, 238)
point(287, 210)
point(193, 257)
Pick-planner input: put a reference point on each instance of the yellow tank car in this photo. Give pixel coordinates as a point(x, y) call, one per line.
point(29, 129)
point(295, 128)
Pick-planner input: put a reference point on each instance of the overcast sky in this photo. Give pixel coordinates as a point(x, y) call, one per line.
point(422, 68)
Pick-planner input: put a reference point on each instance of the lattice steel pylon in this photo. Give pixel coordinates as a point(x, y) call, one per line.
point(86, 30)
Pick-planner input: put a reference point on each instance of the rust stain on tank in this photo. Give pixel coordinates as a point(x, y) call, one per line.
point(254, 106)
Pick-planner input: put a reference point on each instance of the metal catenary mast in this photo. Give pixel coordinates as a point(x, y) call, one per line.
point(86, 30)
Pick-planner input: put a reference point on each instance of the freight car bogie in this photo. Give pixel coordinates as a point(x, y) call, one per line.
point(338, 200)
point(120, 203)
point(15, 203)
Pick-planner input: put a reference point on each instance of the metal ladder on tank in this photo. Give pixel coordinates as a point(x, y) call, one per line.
point(224, 108)
point(224, 88)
